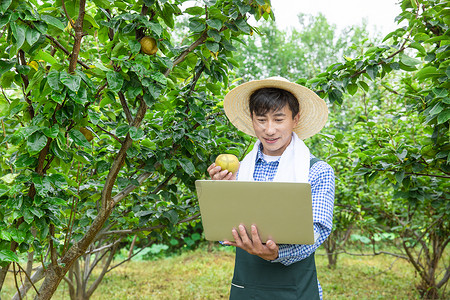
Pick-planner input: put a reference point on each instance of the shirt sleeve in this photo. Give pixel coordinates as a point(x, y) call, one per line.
point(321, 178)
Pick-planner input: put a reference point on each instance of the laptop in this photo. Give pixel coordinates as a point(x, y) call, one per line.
point(282, 211)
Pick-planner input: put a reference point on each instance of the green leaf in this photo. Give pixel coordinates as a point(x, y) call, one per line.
point(155, 91)
point(243, 26)
point(136, 133)
point(18, 32)
point(37, 211)
point(440, 92)
point(32, 36)
point(8, 256)
point(51, 132)
point(427, 72)
point(436, 109)
point(399, 176)
point(122, 130)
point(196, 26)
point(444, 116)
point(169, 165)
point(352, 88)
point(24, 160)
point(372, 71)
point(42, 55)
point(115, 80)
point(53, 80)
point(408, 61)
point(214, 23)
point(159, 77)
point(215, 35)
point(363, 85)
point(335, 96)
point(5, 66)
point(172, 216)
point(195, 10)
point(147, 143)
point(135, 46)
point(212, 46)
point(57, 180)
point(53, 21)
point(3, 189)
point(4, 6)
point(36, 142)
point(79, 139)
point(187, 165)
point(94, 117)
point(56, 201)
point(156, 28)
point(71, 81)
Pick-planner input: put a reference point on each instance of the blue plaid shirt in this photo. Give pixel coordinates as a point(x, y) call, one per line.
point(321, 178)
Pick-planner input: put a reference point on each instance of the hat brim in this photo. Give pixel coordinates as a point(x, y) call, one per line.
point(312, 109)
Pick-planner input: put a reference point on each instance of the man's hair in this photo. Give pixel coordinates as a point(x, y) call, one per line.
point(265, 100)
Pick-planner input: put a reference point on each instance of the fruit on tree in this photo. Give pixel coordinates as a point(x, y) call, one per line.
point(87, 133)
point(228, 162)
point(148, 45)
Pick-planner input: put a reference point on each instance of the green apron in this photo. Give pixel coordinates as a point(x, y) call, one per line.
point(256, 278)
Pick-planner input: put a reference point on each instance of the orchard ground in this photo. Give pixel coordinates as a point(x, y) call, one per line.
point(202, 274)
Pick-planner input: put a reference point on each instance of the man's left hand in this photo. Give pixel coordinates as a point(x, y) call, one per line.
point(267, 251)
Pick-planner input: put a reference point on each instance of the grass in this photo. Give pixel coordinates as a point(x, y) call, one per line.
point(201, 274)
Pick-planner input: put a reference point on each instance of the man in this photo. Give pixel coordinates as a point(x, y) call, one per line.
point(280, 114)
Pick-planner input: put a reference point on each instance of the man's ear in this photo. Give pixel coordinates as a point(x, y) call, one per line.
point(296, 119)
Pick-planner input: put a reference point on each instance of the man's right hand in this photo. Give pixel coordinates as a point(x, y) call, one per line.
point(216, 173)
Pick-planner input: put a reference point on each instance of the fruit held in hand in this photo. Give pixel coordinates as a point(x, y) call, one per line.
point(148, 45)
point(228, 162)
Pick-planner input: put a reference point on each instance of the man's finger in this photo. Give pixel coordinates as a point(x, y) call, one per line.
point(271, 245)
point(243, 233)
point(236, 236)
point(212, 166)
point(255, 235)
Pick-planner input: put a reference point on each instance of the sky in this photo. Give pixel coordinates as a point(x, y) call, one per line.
point(380, 14)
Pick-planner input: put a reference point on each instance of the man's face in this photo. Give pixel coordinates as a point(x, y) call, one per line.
point(274, 130)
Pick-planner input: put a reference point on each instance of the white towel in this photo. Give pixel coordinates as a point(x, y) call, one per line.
point(293, 166)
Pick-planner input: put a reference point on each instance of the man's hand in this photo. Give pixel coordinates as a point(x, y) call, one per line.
point(267, 251)
point(216, 173)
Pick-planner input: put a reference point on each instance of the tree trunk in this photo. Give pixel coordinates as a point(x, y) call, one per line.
point(55, 273)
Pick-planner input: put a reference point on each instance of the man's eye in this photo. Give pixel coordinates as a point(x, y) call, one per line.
point(279, 120)
point(261, 120)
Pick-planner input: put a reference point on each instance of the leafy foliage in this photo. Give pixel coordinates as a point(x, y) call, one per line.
point(100, 140)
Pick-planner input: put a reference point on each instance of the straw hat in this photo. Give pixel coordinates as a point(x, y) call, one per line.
point(313, 110)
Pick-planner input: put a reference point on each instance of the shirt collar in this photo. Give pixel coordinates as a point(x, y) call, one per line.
point(260, 155)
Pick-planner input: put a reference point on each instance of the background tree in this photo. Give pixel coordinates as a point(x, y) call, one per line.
point(394, 134)
point(403, 135)
point(100, 135)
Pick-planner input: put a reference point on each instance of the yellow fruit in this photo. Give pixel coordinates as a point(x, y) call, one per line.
point(87, 133)
point(148, 45)
point(228, 162)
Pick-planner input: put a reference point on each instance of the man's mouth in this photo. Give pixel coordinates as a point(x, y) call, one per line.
point(271, 141)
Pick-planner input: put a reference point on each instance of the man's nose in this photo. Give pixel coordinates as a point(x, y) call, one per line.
point(270, 128)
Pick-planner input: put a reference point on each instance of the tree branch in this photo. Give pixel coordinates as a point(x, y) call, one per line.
point(407, 173)
point(59, 46)
point(111, 134)
point(67, 14)
point(125, 192)
point(23, 62)
point(97, 281)
point(124, 103)
point(183, 55)
point(78, 27)
point(131, 231)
